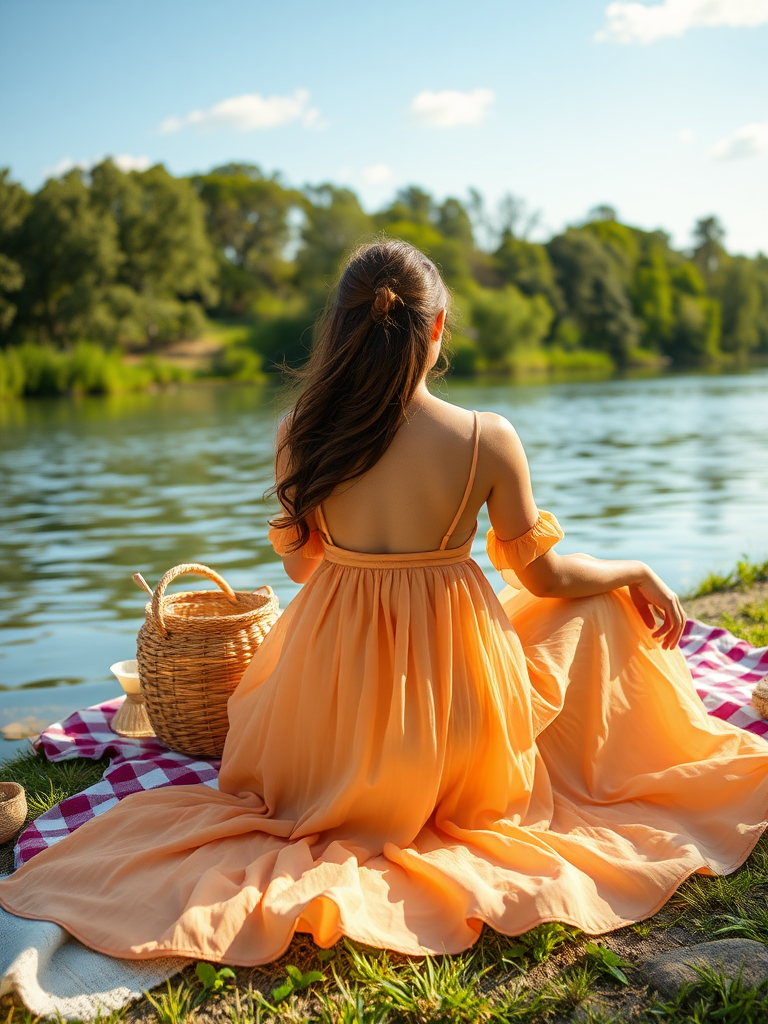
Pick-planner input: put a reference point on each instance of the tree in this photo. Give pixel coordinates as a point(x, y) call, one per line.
point(741, 302)
point(603, 211)
point(167, 267)
point(696, 332)
point(449, 255)
point(653, 298)
point(70, 256)
point(452, 221)
point(708, 236)
point(761, 273)
point(247, 217)
point(507, 322)
point(527, 266)
point(411, 204)
point(587, 272)
point(161, 230)
point(619, 239)
point(334, 223)
point(14, 205)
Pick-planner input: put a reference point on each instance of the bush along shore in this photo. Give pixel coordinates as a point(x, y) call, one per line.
point(139, 261)
point(37, 370)
point(551, 974)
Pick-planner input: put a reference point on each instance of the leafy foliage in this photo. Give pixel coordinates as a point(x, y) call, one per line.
point(607, 962)
point(137, 260)
point(213, 981)
point(541, 942)
point(295, 982)
point(744, 575)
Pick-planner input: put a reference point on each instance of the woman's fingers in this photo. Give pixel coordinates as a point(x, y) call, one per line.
point(671, 629)
point(643, 606)
point(663, 602)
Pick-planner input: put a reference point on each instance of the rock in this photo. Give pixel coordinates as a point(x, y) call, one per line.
point(666, 972)
point(20, 730)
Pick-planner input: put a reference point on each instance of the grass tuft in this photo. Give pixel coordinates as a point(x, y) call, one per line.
point(174, 1005)
point(750, 623)
point(713, 997)
point(745, 575)
point(46, 783)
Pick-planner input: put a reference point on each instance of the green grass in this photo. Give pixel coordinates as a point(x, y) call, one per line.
point(712, 997)
point(745, 575)
point(32, 370)
point(750, 623)
point(227, 332)
point(49, 782)
point(46, 784)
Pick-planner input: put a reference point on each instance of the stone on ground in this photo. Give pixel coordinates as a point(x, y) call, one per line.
point(666, 972)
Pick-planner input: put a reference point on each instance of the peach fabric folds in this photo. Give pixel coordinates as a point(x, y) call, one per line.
point(410, 756)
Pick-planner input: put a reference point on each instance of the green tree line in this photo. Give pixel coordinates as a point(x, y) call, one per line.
point(137, 260)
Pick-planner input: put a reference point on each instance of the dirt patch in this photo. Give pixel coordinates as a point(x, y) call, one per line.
point(191, 354)
point(710, 607)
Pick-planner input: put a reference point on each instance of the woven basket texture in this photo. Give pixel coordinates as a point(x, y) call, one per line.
point(13, 809)
point(760, 698)
point(192, 651)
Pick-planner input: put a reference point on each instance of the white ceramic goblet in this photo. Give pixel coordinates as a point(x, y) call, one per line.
point(132, 718)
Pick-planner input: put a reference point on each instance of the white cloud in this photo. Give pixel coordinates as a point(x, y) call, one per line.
point(63, 166)
point(751, 140)
point(126, 162)
point(377, 174)
point(687, 136)
point(451, 107)
point(645, 23)
point(249, 113)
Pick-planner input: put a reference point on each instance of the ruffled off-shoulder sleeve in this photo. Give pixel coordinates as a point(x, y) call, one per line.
point(510, 556)
point(284, 537)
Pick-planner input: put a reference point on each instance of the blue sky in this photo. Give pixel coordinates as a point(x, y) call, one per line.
point(659, 109)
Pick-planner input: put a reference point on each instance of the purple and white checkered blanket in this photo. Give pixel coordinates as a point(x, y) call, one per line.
point(724, 671)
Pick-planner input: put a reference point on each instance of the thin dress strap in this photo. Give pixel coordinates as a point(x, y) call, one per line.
point(468, 488)
point(320, 516)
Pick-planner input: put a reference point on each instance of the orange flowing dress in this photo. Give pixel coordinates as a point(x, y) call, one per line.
point(411, 756)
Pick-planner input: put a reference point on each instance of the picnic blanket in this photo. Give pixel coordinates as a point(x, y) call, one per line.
point(52, 971)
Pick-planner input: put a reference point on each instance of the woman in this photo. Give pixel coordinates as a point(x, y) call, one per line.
point(409, 756)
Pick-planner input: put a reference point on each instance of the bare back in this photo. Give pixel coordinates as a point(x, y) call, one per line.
point(410, 499)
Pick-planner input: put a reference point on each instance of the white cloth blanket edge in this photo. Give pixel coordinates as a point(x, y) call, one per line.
point(50, 970)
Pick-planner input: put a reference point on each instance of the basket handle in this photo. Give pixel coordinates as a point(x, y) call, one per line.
point(196, 569)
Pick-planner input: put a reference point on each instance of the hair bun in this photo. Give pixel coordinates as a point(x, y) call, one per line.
point(384, 300)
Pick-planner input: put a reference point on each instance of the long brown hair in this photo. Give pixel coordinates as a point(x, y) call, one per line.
point(371, 347)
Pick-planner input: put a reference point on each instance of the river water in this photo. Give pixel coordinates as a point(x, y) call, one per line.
point(672, 470)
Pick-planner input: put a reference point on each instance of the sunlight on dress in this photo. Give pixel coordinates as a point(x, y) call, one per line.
point(411, 756)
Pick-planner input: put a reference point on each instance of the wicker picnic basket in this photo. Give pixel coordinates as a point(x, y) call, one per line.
point(13, 809)
point(192, 651)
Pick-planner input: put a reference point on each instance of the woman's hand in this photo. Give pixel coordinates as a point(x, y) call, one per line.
point(652, 594)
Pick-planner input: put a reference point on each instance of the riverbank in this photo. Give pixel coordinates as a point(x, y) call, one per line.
point(737, 601)
point(226, 353)
point(551, 974)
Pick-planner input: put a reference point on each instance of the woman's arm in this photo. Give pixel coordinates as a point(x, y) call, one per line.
point(296, 564)
point(513, 511)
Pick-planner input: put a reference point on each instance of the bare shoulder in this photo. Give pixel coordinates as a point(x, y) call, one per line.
point(499, 439)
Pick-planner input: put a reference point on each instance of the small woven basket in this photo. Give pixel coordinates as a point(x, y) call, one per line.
point(760, 698)
point(192, 651)
point(13, 809)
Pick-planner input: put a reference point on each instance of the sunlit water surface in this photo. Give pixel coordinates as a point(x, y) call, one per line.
point(672, 470)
